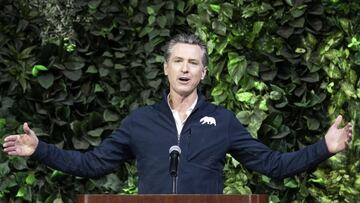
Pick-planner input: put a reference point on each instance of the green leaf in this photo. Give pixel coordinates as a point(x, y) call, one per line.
point(263, 105)
point(56, 173)
point(96, 133)
point(312, 123)
point(257, 27)
point(77, 64)
point(275, 95)
point(253, 69)
point(219, 27)
point(2, 123)
point(244, 117)
point(19, 163)
point(98, 88)
point(345, 24)
point(46, 80)
point(215, 7)
point(180, 6)
point(333, 71)
point(4, 169)
point(300, 50)
point(297, 12)
point(93, 4)
point(297, 23)
point(244, 97)
point(151, 20)
point(58, 199)
point(110, 116)
point(227, 9)
point(73, 75)
point(37, 68)
point(108, 63)
point(348, 89)
point(150, 10)
point(311, 77)
point(316, 23)
point(103, 72)
point(221, 46)
point(30, 179)
point(21, 192)
point(283, 132)
point(193, 20)
point(155, 83)
point(161, 21)
point(316, 9)
point(291, 183)
point(145, 31)
point(112, 182)
point(274, 199)
point(290, 2)
point(236, 66)
point(79, 144)
point(285, 31)
point(91, 69)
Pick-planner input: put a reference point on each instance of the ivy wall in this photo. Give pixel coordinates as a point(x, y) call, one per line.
point(75, 69)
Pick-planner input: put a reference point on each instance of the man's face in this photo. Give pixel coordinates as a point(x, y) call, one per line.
point(184, 68)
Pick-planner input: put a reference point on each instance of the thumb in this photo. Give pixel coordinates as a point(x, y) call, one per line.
point(337, 121)
point(27, 129)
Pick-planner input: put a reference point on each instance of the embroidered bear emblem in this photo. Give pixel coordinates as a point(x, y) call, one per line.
point(208, 120)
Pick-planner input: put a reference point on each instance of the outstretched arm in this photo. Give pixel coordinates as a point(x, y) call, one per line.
point(258, 157)
point(103, 159)
point(23, 144)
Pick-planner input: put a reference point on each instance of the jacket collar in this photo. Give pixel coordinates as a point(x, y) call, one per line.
point(165, 109)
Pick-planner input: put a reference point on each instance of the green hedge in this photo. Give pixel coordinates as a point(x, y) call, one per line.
point(75, 69)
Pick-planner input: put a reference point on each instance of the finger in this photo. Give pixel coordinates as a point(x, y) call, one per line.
point(11, 138)
point(26, 128)
point(13, 153)
point(9, 149)
point(338, 121)
point(347, 142)
point(8, 144)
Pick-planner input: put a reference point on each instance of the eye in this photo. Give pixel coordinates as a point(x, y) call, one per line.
point(194, 62)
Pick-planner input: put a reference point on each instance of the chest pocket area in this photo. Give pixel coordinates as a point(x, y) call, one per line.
point(207, 146)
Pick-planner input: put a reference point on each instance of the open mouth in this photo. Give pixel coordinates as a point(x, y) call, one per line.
point(184, 79)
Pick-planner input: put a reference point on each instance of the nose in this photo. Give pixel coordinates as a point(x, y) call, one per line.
point(185, 67)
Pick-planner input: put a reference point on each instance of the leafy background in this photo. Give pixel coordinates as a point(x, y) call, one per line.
point(75, 69)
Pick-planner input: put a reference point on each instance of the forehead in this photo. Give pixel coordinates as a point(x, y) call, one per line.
point(186, 51)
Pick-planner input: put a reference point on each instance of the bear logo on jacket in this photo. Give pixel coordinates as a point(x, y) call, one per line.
point(208, 120)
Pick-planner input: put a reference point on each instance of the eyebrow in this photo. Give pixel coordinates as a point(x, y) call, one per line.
point(191, 59)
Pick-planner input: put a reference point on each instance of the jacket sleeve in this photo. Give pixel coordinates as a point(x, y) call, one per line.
point(258, 157)
point(103, 159)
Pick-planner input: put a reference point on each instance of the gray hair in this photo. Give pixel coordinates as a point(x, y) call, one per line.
point(187, 39)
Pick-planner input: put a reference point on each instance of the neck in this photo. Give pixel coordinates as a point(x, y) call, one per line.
point(181, 102)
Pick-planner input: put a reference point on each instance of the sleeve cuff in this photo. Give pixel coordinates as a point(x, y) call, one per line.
point(323, 149)
point(40, 151)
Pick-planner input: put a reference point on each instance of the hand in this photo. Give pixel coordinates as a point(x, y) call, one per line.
point(21, 145)
point(338, 139)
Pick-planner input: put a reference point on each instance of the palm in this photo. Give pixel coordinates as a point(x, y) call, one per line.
point(21, 145)
point(25, 145)
point(337, 138)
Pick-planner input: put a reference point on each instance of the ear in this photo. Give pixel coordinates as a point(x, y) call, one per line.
point(165, 69)
point(203, 74)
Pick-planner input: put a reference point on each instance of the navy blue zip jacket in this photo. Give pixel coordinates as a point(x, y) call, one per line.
point(147, 134)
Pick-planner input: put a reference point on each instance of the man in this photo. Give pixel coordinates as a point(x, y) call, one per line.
point(204, 132)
